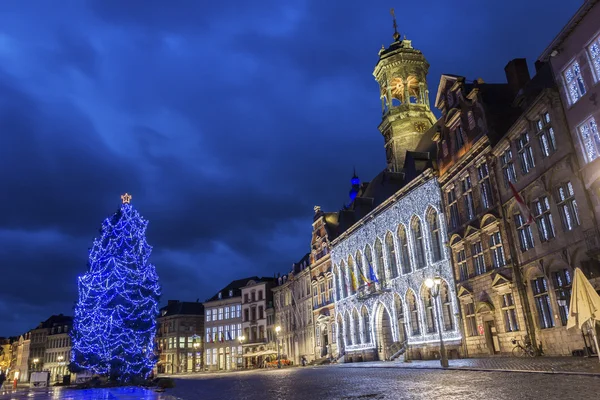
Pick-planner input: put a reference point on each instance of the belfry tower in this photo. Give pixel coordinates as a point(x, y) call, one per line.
point(402, 76)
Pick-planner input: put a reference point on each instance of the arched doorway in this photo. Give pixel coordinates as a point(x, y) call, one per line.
point(324, 341)
point(384, 335)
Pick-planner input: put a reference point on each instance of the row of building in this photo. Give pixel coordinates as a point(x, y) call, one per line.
point(496, 202)
point(47, 347)
point(498, 199)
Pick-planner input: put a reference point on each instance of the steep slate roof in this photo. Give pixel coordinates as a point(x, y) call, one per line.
point(384, 186)
point(182, 308)
point(237, 286)
point(55, 320)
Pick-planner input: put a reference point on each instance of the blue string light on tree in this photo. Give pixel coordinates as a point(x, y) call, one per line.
point(115, 317)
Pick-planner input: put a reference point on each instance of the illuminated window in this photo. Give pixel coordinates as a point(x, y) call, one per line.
point(484, 185)
point(508, 167)
point(543, 218)
point(590, 139)
point(525, 153)
point(594, 53)
point(497, 250)
point(574, 82)
point(542, 302)
point(567, 206)
point(545, 135)
point(510, 314)
point(524, 232)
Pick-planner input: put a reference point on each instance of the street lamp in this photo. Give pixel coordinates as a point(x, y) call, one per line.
point(241, 339)
point(35, 362)
point(434, 287)
point(277, 330)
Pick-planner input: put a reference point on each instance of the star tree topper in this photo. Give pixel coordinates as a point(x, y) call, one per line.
point(126, 198)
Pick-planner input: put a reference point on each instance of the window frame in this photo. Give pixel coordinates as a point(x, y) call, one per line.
point(567, 206)
point(545, 134)
point(581, 89)
point(542, 216)
point(593, 141)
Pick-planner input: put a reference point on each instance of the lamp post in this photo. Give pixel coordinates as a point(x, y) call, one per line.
point(241, 339)
point(434, 286)
point(35, 363)
point(277, 330)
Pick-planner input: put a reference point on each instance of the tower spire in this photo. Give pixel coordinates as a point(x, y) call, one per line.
point(396, 34)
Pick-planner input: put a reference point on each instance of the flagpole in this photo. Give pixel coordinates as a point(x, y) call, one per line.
point(518, 277)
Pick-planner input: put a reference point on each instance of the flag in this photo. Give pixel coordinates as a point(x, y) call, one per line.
point(353, 282)
point(372, 273)
point(222, 339)
point(364, 278)
point(228, 335)
point(212, 338)
point(525, 212)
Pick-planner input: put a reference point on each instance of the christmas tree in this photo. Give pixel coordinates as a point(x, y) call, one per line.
point(115, 318)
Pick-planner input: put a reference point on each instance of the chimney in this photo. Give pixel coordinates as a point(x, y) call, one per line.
point(517, 74)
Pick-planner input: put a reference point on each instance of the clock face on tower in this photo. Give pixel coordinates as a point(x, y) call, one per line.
point(420, 127)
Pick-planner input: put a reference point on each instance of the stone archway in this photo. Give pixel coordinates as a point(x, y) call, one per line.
point(383, 332)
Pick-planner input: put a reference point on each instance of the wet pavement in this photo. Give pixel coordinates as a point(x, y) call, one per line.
point(568, 365)
point(342, 382)
point(418, 380)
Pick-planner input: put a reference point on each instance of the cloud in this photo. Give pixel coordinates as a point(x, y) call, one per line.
point(227, 121)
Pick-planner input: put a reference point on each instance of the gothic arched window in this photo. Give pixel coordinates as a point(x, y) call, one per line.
point(350, 276)
point(429, 304)
point(356, 319)
point(436, 238)
point(359, 269)
point(413, 308)
point(447, 314)
point(404, 253)
point(417, 233)
point(391, 255)
point(347, 328)
point(366, 325)
point(380, 265)
point(336, 278)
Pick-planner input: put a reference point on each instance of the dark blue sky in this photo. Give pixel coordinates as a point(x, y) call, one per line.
point(227, 121)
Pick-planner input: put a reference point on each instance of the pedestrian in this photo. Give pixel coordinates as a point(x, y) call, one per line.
point(2, 379)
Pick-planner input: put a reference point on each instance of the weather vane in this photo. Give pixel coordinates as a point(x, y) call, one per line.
point(126, 198)
point(396, 34)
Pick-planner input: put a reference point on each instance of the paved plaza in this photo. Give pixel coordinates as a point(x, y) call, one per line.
point(490, 378)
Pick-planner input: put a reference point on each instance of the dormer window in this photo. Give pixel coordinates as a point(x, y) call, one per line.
point(220, 296)
point(230, 293)
point(450, 99)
